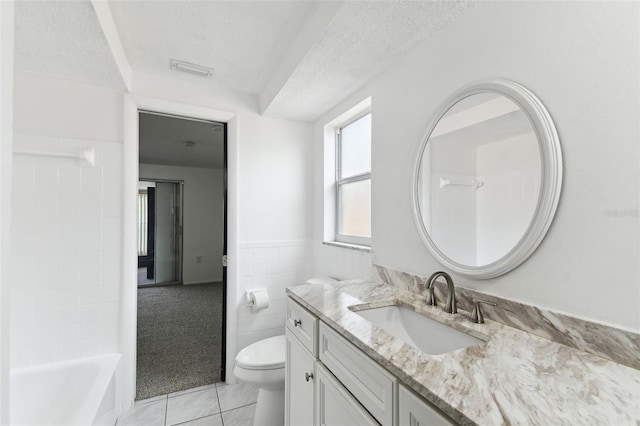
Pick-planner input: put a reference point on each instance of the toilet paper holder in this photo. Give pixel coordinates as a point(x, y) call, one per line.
point(257, 298)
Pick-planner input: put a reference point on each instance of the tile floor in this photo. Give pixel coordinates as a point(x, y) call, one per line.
point(213, 405)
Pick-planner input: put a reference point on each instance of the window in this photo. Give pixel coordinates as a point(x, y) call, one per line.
point(353, 181)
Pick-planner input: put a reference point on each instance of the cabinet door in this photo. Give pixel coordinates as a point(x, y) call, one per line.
point(299, 384)
point(336, 406)
point(367, 381)
point(413, 411)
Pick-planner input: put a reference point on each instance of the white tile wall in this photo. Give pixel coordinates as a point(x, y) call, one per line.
point(342, 263)
point(66, 252)
point(273, 265)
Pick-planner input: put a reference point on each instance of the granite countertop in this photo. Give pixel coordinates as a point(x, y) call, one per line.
point(513, 378)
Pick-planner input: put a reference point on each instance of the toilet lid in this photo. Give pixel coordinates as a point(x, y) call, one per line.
point(267, 354)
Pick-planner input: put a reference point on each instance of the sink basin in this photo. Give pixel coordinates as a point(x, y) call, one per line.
point(422, 332)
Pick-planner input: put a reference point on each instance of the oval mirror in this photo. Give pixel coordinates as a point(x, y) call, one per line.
point(487, 179)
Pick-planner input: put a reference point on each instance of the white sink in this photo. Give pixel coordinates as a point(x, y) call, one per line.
point(422, 332)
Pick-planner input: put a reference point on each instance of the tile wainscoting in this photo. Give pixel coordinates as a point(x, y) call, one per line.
point(276, 265)
point(342, 263)
point(273, 265)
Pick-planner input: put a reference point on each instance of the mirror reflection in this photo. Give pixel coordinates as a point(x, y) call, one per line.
point(479, 179)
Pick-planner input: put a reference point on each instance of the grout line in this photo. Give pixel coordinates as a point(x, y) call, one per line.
point(198, 418)
point(241, 406)
point(166, 409)
point(219, 406)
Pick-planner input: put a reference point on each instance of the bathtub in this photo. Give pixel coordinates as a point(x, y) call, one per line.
point(80, 392)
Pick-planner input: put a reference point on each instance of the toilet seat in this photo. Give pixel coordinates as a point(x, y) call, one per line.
point(267, 354)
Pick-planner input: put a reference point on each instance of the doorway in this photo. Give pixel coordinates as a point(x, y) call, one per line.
point(181, 298)
point(159, 232)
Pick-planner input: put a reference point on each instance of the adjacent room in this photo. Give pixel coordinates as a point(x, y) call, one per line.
point(181, 241)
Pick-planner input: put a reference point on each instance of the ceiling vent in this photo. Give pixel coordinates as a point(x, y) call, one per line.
point(191, 68)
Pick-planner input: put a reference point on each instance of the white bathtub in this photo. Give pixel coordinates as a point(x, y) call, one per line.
point(80, 392)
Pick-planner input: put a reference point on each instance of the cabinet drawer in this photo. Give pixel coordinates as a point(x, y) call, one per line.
point(414, 411)
point(303, 325)
point(336, 406)
point(371, 384)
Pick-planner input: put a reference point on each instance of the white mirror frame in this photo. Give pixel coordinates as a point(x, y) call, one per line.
point(550, 185)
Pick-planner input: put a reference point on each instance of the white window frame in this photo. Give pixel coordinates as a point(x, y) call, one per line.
point(339, 181)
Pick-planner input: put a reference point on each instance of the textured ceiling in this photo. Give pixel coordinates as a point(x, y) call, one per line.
point(246, 42)
point(242, 40)
point(162, 141)
point(363, 39)
point(63, 39)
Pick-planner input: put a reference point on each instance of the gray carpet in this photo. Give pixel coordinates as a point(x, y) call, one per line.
point(179, 338)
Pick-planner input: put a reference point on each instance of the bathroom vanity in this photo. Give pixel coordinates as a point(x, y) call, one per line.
point(343, 369)
point(329, 381)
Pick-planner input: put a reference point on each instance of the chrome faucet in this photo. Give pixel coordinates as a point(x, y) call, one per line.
point(450, 305)
point(430, 299)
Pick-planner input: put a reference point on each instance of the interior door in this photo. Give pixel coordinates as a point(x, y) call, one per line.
point(166, 222)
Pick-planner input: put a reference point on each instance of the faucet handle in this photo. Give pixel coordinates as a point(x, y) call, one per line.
point(476, 314)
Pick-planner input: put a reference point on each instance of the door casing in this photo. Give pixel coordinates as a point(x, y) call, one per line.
point(133, 104)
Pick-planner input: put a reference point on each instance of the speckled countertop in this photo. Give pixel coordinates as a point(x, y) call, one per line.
point(513, 378)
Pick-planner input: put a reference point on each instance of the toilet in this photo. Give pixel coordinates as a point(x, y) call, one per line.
point(262, 365)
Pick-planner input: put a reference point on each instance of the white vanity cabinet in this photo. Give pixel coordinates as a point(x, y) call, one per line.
point(414, 411)
point(330, 382)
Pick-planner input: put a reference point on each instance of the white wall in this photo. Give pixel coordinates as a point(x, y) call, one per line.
point(63, 108)
point(6, 142)
point(581, 59)
point(67, 238)
point(203, 221)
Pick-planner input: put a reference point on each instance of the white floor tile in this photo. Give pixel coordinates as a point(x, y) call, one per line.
point(240, 416)
point(149, 414)
point(215, 420)
point(238, 395)
point(191, 406)
point(153, 399)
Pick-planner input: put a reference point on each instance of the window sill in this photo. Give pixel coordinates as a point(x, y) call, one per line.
point(348, 246)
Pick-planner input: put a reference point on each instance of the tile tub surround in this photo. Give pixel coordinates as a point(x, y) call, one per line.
point(513, 378)
point(612, 343)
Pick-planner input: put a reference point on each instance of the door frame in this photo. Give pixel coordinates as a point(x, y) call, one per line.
point(129, 297)
point(180, 237)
